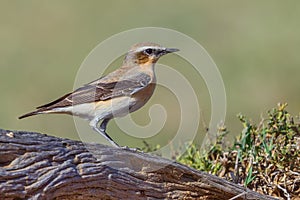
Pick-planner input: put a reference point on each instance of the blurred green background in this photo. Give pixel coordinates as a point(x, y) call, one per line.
point(255, 44)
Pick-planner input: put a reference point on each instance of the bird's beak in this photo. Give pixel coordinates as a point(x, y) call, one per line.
point(171, 50)
point(165, 51)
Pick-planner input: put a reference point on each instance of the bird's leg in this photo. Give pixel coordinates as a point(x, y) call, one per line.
point(102, 130)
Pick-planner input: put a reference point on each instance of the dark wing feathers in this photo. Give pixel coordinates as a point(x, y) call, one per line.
point(54, 102)
point(100, 91)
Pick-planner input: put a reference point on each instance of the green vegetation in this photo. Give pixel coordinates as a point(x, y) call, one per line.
point(264, 157)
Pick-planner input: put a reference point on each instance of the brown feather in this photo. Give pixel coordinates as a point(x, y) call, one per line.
point(95, 92)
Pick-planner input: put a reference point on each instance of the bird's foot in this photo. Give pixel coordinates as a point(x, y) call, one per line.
point(131, 149)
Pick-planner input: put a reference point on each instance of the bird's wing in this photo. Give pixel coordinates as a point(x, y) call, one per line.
point(101, 91)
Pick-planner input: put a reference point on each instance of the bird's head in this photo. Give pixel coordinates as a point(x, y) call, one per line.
point(146, 53)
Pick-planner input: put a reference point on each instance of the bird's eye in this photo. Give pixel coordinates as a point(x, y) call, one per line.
point(148, 51)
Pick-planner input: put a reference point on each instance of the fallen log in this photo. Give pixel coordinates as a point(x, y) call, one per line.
point(38, 166)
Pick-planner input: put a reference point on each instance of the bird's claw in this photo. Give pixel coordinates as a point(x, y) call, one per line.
point(131, 149)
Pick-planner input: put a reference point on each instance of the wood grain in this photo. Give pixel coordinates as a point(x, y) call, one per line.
point(38, 166)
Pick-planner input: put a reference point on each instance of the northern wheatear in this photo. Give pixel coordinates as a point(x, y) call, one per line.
point(120, 92)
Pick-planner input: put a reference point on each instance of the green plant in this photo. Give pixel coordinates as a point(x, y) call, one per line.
point(264, 157)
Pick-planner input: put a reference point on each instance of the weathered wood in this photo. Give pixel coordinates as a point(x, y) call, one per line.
point(37, 166)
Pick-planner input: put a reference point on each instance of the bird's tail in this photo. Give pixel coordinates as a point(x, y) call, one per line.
point(31, 114)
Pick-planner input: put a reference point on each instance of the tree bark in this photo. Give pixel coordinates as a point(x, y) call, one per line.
point(38, 166)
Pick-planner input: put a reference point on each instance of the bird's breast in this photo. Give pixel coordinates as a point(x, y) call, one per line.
point(142, 97)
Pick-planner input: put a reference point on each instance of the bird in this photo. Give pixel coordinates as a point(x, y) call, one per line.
point(116, 94)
